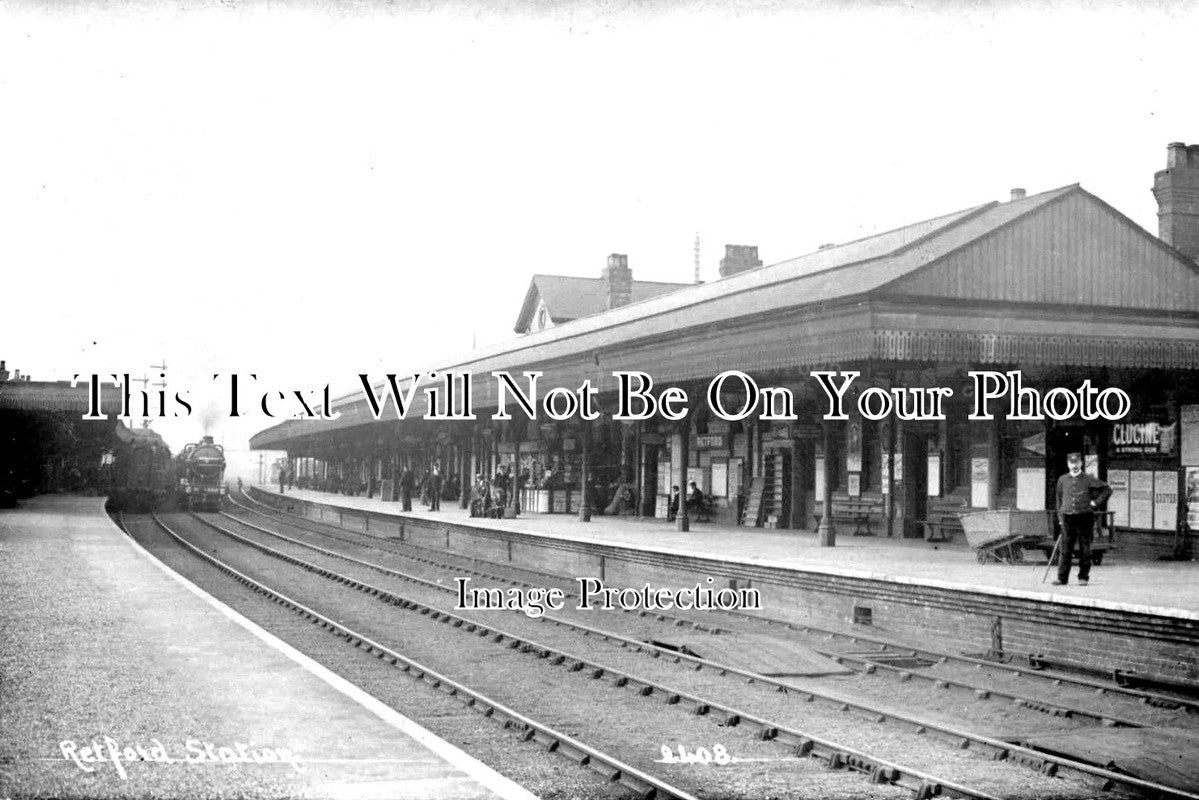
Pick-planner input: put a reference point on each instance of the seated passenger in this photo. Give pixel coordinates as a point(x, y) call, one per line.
point(622, 500)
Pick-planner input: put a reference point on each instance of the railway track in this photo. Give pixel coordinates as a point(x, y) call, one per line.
point(877, 777)
point(978, 678)
point(520, 726)
point(766, 729)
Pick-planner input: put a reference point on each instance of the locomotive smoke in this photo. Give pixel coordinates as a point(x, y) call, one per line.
point(209, 417)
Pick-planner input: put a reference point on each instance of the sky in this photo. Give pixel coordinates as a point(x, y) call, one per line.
point(309, 191)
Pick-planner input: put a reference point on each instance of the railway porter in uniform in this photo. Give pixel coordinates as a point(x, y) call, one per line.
point(1078, 497)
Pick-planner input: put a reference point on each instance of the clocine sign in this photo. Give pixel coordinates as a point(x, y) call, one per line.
point(1143, 438)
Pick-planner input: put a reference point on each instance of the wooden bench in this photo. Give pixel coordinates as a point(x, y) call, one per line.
point(702, 513)
point(855, 510)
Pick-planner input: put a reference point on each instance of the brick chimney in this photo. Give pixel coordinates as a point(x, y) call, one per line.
point(1019, 194)
point(1177, 191)
point(739, 258)
point(618, 281)
point(3, 371)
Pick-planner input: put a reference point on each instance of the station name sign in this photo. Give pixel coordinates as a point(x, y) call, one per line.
point(732, 395)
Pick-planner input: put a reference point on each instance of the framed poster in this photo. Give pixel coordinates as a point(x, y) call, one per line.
point(1165, 500)
point(1030, 488)
point(1192, 488)
point(934, 475)
point(819, 478)
point(1140, 503)
point(1189, 417)
point(720, 479)
point(853, 446)
point(980, 473)
point(854, 484)
point(736, 480)
point(884, 467)
point(1118, 502)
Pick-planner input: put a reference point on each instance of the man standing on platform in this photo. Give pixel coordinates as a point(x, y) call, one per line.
point(435, 488)
point(1079, 496)
point(407, 482)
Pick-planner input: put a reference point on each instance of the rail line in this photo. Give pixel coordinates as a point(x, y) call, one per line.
point(866, 663)
point(643, 784)
point(1156, 699)
point(801, 743)
point(1000, 750)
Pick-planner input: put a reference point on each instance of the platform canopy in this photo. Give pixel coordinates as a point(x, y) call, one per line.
point(1056, 279)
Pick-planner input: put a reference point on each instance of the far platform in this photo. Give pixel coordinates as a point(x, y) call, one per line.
point(102, 647)
point(1167, 588)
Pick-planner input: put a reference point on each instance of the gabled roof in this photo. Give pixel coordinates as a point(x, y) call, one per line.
point(55, 396)
point(817, 308)
point(569, 297)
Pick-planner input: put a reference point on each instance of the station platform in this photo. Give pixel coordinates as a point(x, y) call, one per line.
point(103, 650)
point(1162, 588)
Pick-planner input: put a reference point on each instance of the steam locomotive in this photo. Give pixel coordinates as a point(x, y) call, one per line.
point(200, 469)
point(136, 471)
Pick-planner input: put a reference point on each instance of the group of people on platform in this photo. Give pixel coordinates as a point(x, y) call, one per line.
point(500, 494)
point(698, 504)
point(432, 488)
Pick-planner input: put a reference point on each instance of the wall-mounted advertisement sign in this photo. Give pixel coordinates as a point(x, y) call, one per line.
point(1190, 436)
point(980, 473)
point(853, 446)
point(1030, 488)
point(1143, 438)
point(1140, 504)
point(1165, 500)
point(1192, 488)
point(1118, 502)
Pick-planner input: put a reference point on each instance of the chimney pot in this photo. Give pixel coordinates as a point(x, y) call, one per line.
point(1176, 155)
point(739, 258)
point(1019, 194)
point(1177, 191)
point(827, 245)
point(618, 281)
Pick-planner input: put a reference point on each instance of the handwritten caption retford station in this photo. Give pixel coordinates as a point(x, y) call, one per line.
point(93, 754)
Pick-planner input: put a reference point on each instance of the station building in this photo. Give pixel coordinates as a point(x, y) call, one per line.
point(1058, 286)
point(47, 446)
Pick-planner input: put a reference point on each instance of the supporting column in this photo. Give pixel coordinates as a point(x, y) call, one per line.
point(465, 479)
point(683, 521)
point(827, 532)
point(915, 478)
point(516, 474)
point(639, 449)
point(993, 464)
point(890, 498)
point(585, 476)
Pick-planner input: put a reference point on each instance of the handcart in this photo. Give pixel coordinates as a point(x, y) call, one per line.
point(1001, 535)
